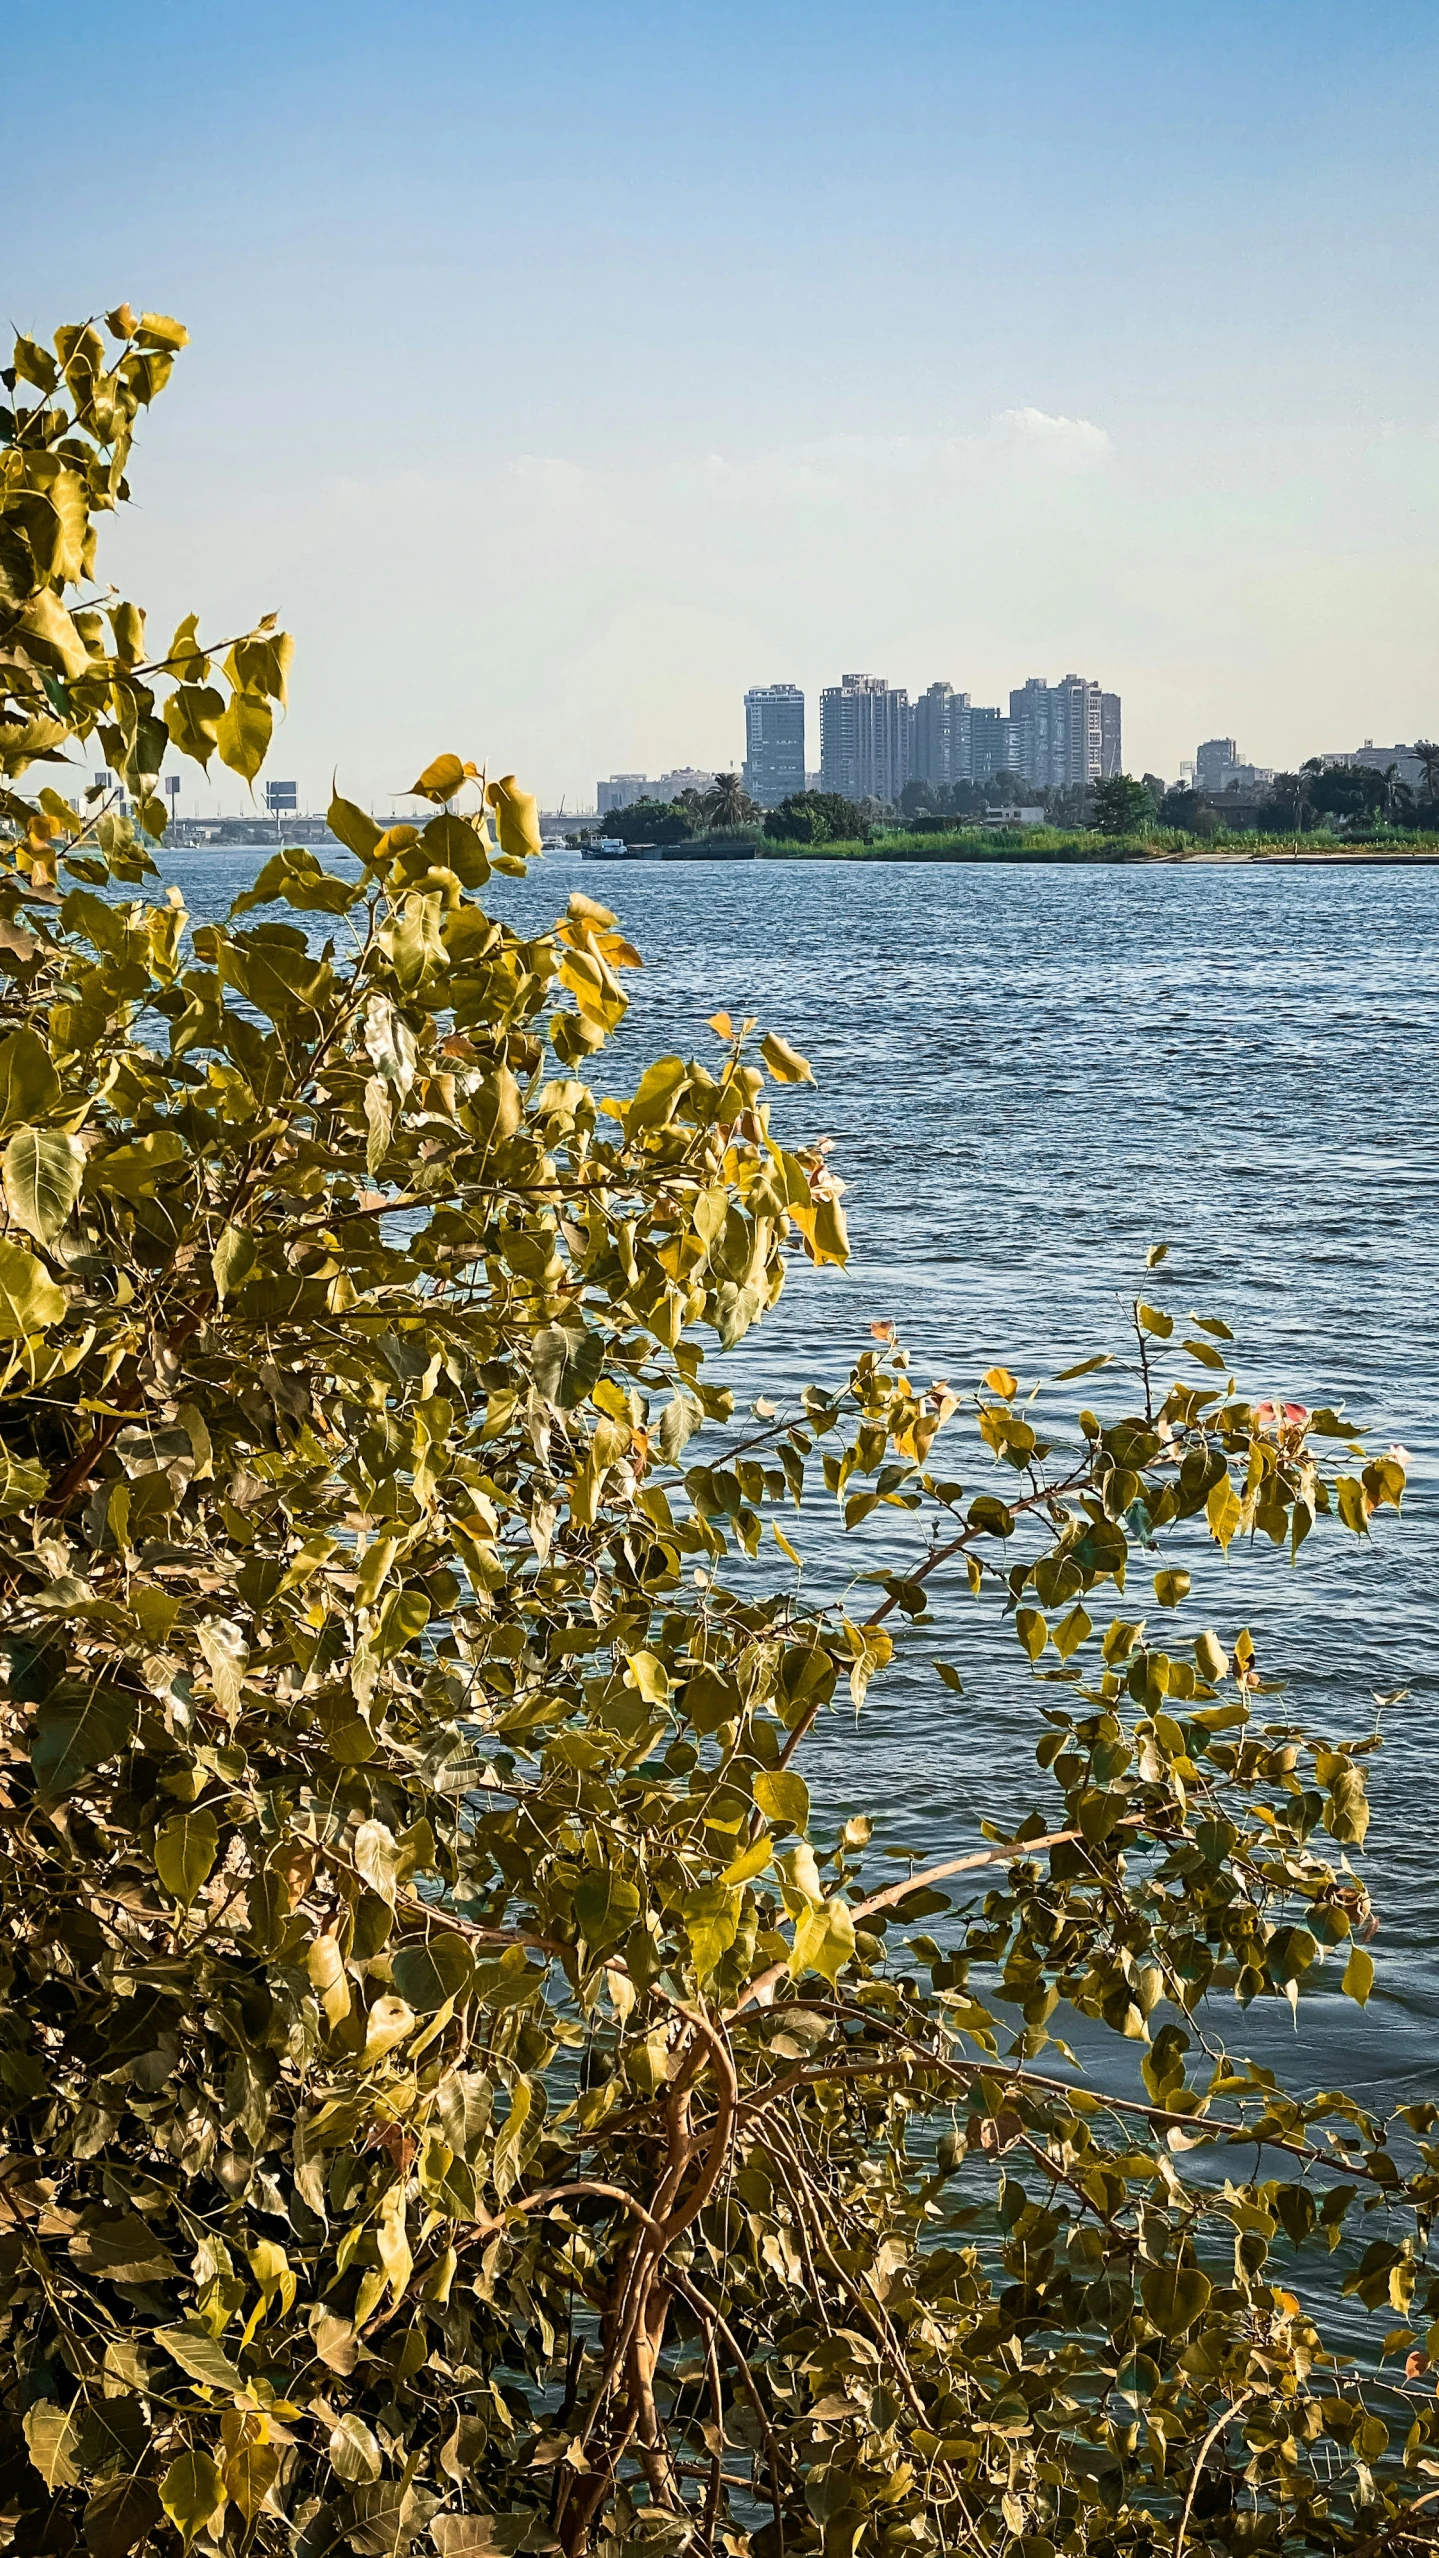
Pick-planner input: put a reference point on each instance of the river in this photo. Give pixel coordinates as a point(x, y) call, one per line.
point(1030, 1074)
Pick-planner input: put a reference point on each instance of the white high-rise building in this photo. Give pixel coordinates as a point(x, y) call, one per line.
point(773, 742)
point(864, 738)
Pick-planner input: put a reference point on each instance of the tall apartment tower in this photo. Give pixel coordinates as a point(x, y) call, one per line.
point(986, 744)
point(773, 742)
point(941, 747)
point(1059, 732)
point(864, 738)
point(1111, 746)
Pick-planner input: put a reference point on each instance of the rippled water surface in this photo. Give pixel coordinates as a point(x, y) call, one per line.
point(1031, 1073)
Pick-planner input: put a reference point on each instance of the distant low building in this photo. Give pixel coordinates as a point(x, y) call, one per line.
point(682, 777)
point(1377, 759)
point(620, 791)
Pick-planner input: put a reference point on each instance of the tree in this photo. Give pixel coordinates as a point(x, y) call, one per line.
point(459, 2092)
point(1122, 806)
point(813, 817)
point(729, 803)
point(1182, 807)
point(918, 799)
point(650, 821)
point(1426, 752)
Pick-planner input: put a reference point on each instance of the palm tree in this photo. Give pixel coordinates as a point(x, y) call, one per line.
point(1426, 754)
point(729, 803)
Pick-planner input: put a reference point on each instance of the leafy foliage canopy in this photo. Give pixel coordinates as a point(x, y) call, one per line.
point(456, 2092)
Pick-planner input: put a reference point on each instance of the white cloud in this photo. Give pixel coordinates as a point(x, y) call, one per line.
point(547, 471)
point(1070, 442)
point(831, 466)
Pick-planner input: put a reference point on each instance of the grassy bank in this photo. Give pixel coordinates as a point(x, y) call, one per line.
point(1056, 844)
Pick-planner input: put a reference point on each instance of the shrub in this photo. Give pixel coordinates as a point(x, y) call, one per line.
point(455, 2087)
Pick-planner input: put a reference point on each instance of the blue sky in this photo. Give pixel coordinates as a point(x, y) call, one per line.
point(557, 371)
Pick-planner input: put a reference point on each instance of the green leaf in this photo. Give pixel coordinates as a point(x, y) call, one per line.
point(783, 1797)
point(133, 1171)
point(52, 2434)
point(1032, 1629)
point(201, 2356)
point(192, 2492)
point(403, 1618)
point(606, 1907)
point(22, 1483)
point(656, 1094)
point(77, 1729)
point(567, 1363)
point(185, 1850)
point(123, 2250)
point(355, 829)
point(429, 1974)
point(472, 2536)
point(680, 1419)
point(43, 1172)
point(29, 1298)
point(119, 2514)
point(1174, 2296)
point(1206, 1354)
point(354, 2452)
point(233, 1261)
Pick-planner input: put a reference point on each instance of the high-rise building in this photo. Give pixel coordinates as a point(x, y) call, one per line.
point(773, 742)
point(1111, 746)
point(940, 747)
point(1215, 762)
point(864, 738)
point(986, 744)
point(1058, 732)
point(620, 791)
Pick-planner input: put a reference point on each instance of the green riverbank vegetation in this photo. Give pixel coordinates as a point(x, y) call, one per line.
point(461, 2090)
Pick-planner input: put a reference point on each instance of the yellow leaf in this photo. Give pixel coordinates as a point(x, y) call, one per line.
point(1358, 1975)
point(782, 1541)
point(516, 816)
point(440, 781)
point(823, 1941)
point(782, 1796)
point(242, 734)
point(1223, 1511)
point(156, 328)
point(750, 1862)
point(785, 1063)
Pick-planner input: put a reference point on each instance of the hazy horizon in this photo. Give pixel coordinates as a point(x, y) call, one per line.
point(555, 378)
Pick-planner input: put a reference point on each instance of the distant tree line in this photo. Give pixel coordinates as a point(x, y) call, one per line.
point(1320, 794)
